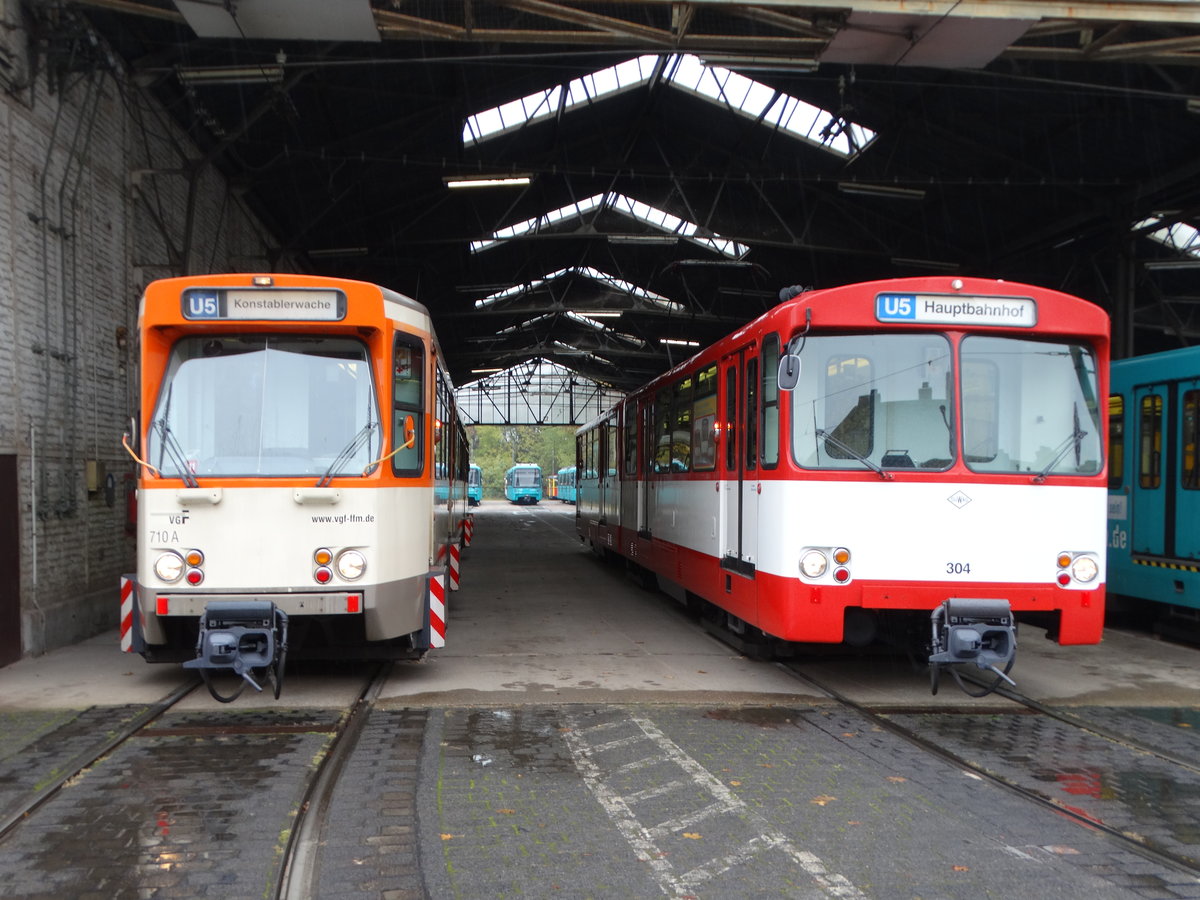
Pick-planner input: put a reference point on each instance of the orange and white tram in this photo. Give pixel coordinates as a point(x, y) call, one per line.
point(871, 459)
point(301, 479)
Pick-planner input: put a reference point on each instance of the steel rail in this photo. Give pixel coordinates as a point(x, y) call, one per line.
point(19, 811)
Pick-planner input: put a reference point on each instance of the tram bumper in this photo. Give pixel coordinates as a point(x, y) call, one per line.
point(982, 632)
point(241, 636)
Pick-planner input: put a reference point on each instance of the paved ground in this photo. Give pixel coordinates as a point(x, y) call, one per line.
point(580, 737)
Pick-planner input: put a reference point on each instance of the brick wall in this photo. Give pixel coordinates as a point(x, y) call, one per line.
point(93, 206)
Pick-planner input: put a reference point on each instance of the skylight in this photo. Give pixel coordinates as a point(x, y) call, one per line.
point(635, 209)
point(717, 84)
point(1176, 235)
point(603, 278)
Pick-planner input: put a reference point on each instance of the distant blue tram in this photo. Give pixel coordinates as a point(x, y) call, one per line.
point(523, 483)
point(1154, 481)
point(474, 486)
point(566, 484)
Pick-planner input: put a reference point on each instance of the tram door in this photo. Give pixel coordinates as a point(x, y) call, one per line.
point(1152, 488)
point(645, 464)
point(1187, 507)
point(739, 445)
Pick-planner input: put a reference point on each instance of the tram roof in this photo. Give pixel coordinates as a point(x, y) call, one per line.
point(681, 163)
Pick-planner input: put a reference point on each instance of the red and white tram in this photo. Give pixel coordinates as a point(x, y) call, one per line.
point(865, 453)
point(302, 474)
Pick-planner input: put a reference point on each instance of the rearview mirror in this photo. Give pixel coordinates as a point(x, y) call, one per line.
point(789, 372)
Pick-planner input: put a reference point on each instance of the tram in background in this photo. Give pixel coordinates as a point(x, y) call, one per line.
point(474, 485)
point(566, 484)
point(893, 459)
point(1154, 487)
point(523, 483)
point(301, 475)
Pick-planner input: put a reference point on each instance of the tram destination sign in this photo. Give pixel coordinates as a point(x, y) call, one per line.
point(275, 304)
point(955, 309)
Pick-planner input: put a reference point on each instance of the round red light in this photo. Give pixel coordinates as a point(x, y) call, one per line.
point(1064, 579)
point(194, 576)
point(841, 575)
point(323, 575)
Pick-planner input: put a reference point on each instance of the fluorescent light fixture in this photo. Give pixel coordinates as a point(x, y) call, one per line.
point(600, 313)
point(936, 264)
point(485, 181)
point(674, 342)
point(760, 63)
point(880, 190)
point(331, 252)
point(231, 75)
point(1163, 264)
point(486, 371)
point(642, 239)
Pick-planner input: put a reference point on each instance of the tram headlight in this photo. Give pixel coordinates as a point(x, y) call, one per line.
point(1084, 569)
point(813, 564)
point(169, 567)
point(350, 564)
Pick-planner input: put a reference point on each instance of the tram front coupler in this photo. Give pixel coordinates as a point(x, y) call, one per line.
point(243, 637)
point(980, 632)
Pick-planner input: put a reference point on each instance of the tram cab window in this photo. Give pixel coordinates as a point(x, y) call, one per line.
point(408, 399)
point(1030, 406)
point(769, 440)
point(258, 405)
point(872, 400)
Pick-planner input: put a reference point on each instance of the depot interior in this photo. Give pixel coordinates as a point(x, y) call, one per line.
point(587, 191)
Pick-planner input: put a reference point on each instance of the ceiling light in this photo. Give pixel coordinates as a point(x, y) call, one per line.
point(600, 313)
point(330, 252)
point(1160, 264)
point(485, 371)
point(880, 190)
point(674, 342)
point(483, 181)
point(643, 238)
point(760, 63)
point(937, 264)
point(231, 75)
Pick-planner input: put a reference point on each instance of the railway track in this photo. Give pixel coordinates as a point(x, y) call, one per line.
point(159, 788)
point(1112, 780)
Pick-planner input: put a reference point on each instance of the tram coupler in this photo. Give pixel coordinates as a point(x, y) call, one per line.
point(978, 631)
point(241, 636)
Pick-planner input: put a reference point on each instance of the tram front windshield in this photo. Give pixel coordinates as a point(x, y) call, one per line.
point(526, 478)
point(266, 405)
point(889, 401)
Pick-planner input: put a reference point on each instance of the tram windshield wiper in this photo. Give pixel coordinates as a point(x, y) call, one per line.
point(172, 448)
point(846, 448)
point(347, 454)
point(1073, 440)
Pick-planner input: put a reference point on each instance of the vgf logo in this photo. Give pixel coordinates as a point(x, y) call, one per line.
point(202, 306)
point(895, 306)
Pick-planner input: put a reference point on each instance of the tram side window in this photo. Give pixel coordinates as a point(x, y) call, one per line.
point(1150, 436)
point(662, 431)
point(681, 426)
point(408, 396)
point(630, 441)
point(704, 417)
point(1116, 442)
point(1190, 478)
point(769, 451)
point(610, 462)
